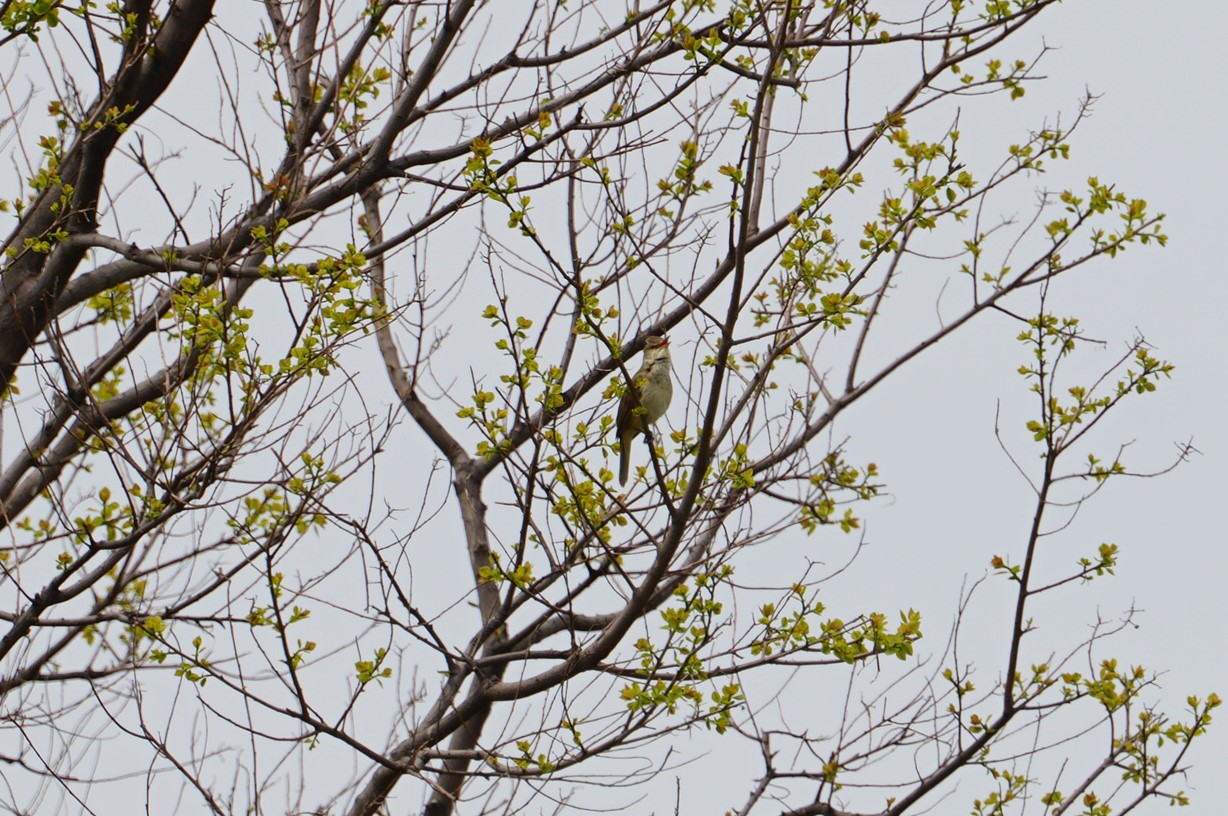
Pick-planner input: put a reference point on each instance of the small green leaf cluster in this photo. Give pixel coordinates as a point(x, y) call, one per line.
point(373, 669)
point(1138, 741)
point(809, 262)
point(110, 385)
point(674, 670)
point(737, 469)
point(930, 195)
point(683, 184)
point(623, 224)
point(873, 635)
point(524, 760)
point(960, 685)
point(834, 480)
point(593, 316)
point(791, 627)
point(490, 421)
point(1049, 143)
point(335, 310)
point(482, 172)
point(1011, 78)
point(580, 501)
point(1101, 565)
point(144, 636)
point(1004, 9)
point(545, 120)
point(702, 50)
point(521, 576)
point(111, 519)
point(1089, 567)
point(361, 87)
point(47, 177)
point(48, 174)
point(130, 19)
point(1051, 338)
point(111, 117)
point(1110, 686)
point(209, 329)
point(927, 195)
point(785, 630)
point(194, 669)
point(273, 616)
point(860, 19)
point(1011, 787)
point(1137, 223)
point(151, 627)
point(26, 17)
point(527, 366)
point(44, 530)
point(1136, 752)
point(113, 305)
point(266, 515)
point(677, 31)
point(148, 505)
point(528, 382)
point(261, 515)
point(1099, 472)
point(602, 171)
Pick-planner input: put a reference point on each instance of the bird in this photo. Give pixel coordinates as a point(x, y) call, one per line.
point(645, 401)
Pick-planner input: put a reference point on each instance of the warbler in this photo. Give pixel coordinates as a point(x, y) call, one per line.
point(645, 400)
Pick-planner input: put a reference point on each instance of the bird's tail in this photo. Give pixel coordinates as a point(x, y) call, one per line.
point(624, 458)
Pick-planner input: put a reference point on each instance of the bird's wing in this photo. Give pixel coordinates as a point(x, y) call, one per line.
point(630, 399)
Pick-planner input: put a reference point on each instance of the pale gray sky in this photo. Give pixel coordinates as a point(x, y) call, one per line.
point(955, 497)
point(1156, 132)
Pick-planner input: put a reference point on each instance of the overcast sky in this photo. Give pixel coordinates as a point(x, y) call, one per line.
point(955, 496)
point(1156, 132)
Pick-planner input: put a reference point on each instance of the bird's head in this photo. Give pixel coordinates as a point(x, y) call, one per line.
point(654, 341)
